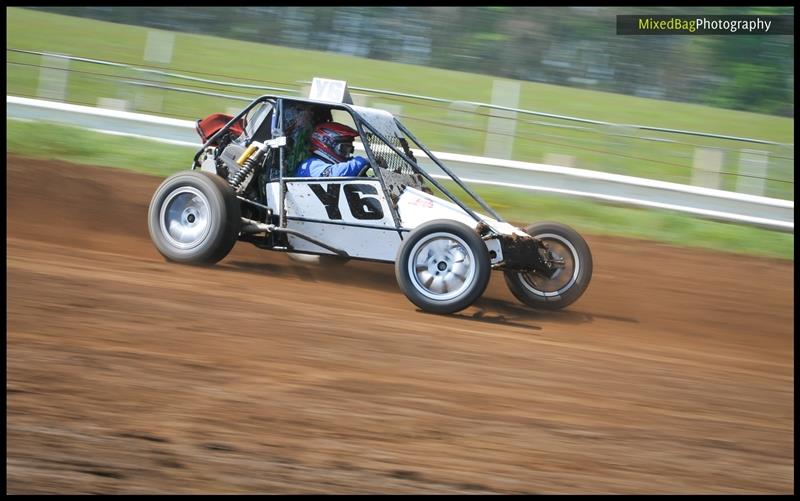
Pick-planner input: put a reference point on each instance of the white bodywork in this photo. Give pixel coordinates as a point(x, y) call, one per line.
point(354, 215)
point(416, 207)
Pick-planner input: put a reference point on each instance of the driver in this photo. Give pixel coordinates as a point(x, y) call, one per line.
point(332, 153)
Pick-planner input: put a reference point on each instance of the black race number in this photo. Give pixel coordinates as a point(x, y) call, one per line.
point(363, 201)
point(362, 198)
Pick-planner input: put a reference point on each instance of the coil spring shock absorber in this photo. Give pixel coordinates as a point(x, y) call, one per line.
point(237, 177)
point(248, 160)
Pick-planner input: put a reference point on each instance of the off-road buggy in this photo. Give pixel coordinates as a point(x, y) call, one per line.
point(241, 188)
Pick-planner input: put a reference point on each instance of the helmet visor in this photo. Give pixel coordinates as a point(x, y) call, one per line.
point(345, 149)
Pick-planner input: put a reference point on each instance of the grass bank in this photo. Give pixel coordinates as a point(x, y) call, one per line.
point(75, 145)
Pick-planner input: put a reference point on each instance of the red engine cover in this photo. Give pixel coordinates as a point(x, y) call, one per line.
point(209, 126)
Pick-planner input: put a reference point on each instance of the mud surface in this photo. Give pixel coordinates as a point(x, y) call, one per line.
point(127, 374)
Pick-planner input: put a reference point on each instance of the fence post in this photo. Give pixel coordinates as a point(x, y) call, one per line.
point(502, 123)
point(363, 100)
point(706, 168)
point(752, 171)
point(157, 49)
point(53, 78)
point(559, 159)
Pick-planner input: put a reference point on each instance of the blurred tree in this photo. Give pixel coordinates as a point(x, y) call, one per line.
point(576, 46)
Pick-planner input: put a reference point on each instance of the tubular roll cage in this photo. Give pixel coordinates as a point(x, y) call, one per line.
point(277, 103)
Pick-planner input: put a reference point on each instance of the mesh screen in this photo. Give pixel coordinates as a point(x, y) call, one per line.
point(394, 162)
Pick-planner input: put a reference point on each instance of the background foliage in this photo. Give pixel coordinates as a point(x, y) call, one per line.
point(574, 46)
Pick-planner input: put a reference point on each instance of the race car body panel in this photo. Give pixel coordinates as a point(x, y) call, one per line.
point(417, 207)
point(351, 214)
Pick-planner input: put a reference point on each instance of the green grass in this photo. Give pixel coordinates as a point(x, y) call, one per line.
point(85, 147)
point(440, 127)
point(75, 145)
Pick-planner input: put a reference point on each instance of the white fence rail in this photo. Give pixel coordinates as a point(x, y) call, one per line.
point(703, 202)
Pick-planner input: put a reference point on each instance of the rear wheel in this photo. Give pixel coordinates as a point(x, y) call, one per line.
point(569, 279)
point(194, 218)
point(443, 266)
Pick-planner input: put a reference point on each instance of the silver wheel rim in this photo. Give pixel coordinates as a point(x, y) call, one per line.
point(185, 218)
point(563, 278)
point(441, 266)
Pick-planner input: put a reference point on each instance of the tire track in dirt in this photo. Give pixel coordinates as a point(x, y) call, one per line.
point(127, 374)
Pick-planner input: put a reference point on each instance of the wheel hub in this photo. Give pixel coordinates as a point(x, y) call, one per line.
point(441, 266)
point(564, 267)
point(185, 218)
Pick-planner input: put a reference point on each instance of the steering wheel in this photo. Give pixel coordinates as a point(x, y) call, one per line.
point(366, 171)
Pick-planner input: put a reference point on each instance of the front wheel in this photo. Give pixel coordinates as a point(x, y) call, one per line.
point(567, 282)
point(194, 218)
point(443, 266)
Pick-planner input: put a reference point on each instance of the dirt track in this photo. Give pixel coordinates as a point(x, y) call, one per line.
point(127, 374)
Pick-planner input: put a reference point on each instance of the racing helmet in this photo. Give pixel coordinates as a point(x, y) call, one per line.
point(333, 141)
